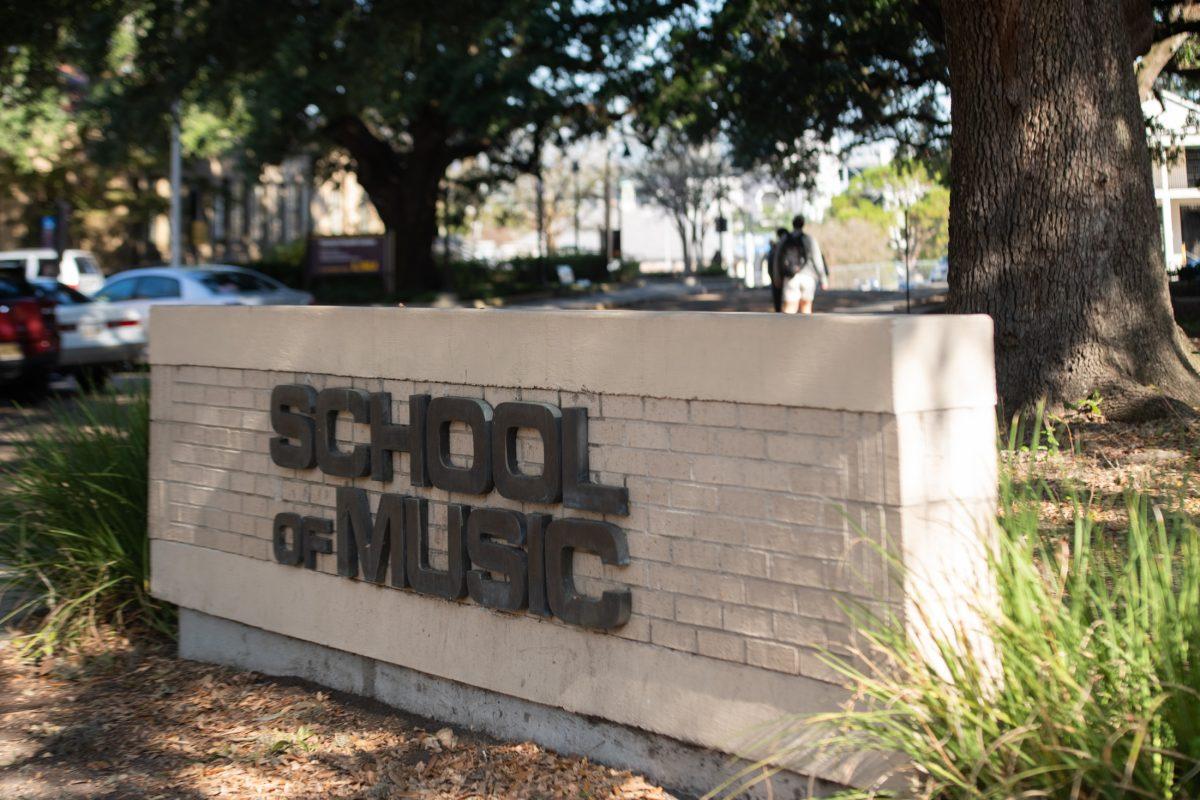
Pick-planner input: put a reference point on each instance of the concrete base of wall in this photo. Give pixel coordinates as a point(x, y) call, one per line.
point(685, 769)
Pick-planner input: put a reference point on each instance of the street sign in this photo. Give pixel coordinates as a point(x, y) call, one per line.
point(49, 227)
point(348, 255)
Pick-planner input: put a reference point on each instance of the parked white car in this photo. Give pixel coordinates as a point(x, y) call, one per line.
point(94, 338)
point(77, 269)
point(209, 284)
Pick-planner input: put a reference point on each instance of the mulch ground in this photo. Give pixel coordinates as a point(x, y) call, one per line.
point(133, 723)
point(1101, 464)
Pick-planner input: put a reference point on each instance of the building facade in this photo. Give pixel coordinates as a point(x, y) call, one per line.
point(230, 216)
point(1175, 134)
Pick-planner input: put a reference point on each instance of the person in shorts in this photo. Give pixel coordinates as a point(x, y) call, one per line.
point(776, 280)
point(801, 268)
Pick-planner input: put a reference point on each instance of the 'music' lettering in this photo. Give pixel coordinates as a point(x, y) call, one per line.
point(500, 558)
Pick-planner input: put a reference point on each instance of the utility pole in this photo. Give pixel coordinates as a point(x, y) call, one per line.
point(620, 209)
point(722, 222)
point(176, 190)
point(607, 203)
point(907, 260)
point(575, 174)
point(541, 215)
point(176, 166)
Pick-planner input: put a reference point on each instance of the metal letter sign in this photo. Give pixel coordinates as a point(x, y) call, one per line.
point(545, 487)
point(501, 558)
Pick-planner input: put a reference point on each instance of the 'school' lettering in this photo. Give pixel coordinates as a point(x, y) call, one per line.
point(501, 558)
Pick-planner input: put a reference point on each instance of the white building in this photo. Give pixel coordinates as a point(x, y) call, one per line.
point(753, 205)
point(1175, 132)
point(233, 216)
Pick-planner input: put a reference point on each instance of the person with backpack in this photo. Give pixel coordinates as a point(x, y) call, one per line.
point(776, 280)
point(801, 268)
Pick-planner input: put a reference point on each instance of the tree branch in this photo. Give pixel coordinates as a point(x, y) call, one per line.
point(376, 164)
point(929, 14)
point(1160, 54)
point(1178, 21)
point(1139, 25)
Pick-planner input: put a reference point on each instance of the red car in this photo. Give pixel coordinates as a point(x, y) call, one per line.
point(28, 335)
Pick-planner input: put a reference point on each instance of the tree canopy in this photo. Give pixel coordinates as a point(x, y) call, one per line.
point(779, 79)
point(405, 89)
point(882, 195)
point(684, 180)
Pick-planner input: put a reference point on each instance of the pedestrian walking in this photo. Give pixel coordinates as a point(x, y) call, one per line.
point(772, 273)
point(801, 268)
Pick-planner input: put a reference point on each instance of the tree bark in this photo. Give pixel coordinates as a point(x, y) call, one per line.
point(1053, 227)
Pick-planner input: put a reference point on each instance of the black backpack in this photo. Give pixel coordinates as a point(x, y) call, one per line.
point(792, 255)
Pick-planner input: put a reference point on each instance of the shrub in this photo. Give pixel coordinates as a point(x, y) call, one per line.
point(1095, 687)
point(478, 280)
point(713, 271)
point(73, 532)
point(586, 266)
point(283, 262)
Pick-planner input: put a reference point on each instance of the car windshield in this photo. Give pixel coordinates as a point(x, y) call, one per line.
point(13, 284)
point(117, 291)
point(87, 265)
point(230, 282)
point(63, 295)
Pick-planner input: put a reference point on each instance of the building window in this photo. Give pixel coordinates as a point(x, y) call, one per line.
point(1192, 155)
point(237, 211)
point(219, 216)
point(256, 209)
point(299, 224)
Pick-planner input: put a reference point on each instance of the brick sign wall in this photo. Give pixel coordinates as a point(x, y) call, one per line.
point(763, 462)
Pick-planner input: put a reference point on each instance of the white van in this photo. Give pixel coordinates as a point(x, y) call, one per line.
point(78, 269)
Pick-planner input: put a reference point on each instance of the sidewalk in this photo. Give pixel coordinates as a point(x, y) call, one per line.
point(641, 292)
point(724, 294)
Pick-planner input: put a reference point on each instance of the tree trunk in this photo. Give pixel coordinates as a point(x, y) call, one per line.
point(1053, 227)
point(404, 191)
point(539, 178)
point(412, 219)
point(681, 227)
point(699, 232)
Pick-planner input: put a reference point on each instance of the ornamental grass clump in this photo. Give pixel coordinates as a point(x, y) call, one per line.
point(1091, 690)
point(74, 551)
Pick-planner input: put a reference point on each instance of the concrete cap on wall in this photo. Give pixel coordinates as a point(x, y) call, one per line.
point(885, 364)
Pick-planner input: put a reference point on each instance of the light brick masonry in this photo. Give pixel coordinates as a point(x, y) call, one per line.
point(759, 522)
point(752, 526)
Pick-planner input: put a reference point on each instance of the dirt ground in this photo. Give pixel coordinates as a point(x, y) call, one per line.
point(138, 724)
point(1101, 464)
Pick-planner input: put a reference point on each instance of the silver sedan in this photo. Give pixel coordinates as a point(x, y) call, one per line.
point(207, 284)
